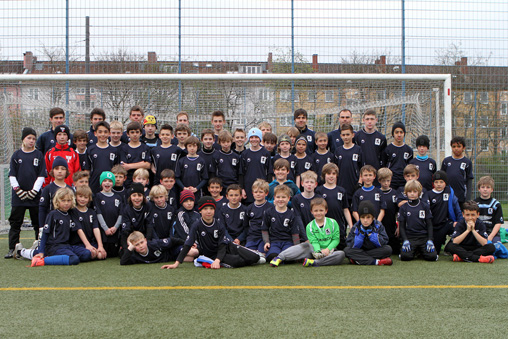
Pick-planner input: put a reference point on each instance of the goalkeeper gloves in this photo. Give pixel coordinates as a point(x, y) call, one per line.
point(430, 246)
point(406, 246)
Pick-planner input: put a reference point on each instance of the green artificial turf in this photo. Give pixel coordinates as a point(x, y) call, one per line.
point(306, 312)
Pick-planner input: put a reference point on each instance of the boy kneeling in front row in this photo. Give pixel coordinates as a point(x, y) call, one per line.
point(469, 240)
point(367, 241)
point(210, 235)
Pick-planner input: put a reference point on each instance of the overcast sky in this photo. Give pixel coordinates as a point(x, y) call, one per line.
point(248, 30)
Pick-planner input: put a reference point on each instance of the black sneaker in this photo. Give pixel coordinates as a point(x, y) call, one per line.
point(9, 254)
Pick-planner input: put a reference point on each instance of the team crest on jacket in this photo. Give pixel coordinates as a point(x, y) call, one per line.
point(173, 157)
point(328, 232)
point(36, 162)
point(251, 214)
point(355, 157)
point(324, 196)
point(309, 138)
point(242, 214)
point(422, 215)
point(72, 224)
point(263, 160)
point(286, 222)
point(462, 165)
point(155, 215)
point(157, 253)
point(215, 234)
point(377, 142)
point(233, 162)
point(446, 196)
point(117, 202)
point(307, 165)
point(203, 233)
point(198, 167)
point(273, 219)
point(20, 161)
point(317, 161)
point(143, 155)
point(339, 196)
point(406, 155)
point(165, 240)
point(431, 166)
point(133, 219)
point(129, 156)
point(377, 197)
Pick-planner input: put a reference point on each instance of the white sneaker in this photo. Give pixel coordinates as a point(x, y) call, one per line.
point(35, 244)
point(17, 250)
point(261, 260)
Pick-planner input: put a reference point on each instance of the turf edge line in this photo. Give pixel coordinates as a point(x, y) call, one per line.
point(303, 287)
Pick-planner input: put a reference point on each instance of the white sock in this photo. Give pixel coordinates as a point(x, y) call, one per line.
point(377, 262)
point(27, 253)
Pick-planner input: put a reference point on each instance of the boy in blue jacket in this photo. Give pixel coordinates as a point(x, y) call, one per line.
point(367, 242)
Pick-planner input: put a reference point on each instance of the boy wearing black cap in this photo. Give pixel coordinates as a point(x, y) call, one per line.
point(63, 150)
point(425, 164)
point(367, 242)
point(210, 235)
point(397, 155)
point(445, 208)
point(26, 175)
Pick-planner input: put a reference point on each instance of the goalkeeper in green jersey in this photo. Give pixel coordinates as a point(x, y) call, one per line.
point(324, 236)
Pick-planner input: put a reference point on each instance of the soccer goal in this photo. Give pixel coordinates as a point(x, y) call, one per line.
point(421, 101)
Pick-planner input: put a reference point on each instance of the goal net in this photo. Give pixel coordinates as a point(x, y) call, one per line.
point(422, 102)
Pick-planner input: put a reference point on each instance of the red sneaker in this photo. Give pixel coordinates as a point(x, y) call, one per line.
point(456, 258)
point(37, 261)
point(486, 259)
point(385, 262)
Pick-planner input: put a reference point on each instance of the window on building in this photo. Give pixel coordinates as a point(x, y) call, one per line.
point(285, 95)
point(33, 93)
point(504, 108)
point(468, 98)
point(264, 94)
point(328, 96)
point(286, 121)
point(484, 145)
point(311, 96)
point(484, 98)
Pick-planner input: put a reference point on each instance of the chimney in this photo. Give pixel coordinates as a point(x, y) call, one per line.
point(28, 61)
point(269, 64)
point(152, 58)
point(463, 65)
point(315, 66)
point(382, 64)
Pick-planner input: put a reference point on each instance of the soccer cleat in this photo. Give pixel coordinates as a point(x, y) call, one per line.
point(308, 262)
point(276, 262)
point(17, 251)
point(385, 262)
point(486, 259)
point(456, 258)
point(353, 262)
point(9, 254)
point(37, 261)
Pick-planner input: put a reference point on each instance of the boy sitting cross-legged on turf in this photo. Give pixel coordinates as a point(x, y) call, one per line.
point(367, 242)
point(491, 212)
point(210, 235)
point(56, 234)
point(281, 170)
point(445, 209)
point(253, 219)
point(142, 251)
point(324, 236)
point(415, 225)
point(469, 240)
point(281, 225)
